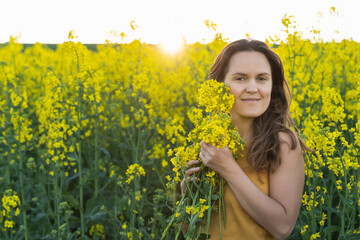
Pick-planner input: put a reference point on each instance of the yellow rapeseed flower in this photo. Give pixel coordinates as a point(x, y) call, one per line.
point(134, 169)
point(124, 226)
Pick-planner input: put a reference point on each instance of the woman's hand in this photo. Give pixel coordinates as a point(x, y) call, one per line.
point(188, 173)
point(218, 159)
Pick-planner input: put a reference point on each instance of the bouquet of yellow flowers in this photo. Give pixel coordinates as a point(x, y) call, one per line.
point(205, 194)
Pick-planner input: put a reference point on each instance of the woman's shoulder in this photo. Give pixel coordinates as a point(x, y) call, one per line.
point(291, 158)
point(289, 140)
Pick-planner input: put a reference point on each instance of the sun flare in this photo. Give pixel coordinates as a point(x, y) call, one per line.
point(171, 44)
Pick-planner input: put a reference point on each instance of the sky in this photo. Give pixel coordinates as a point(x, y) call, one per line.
point(172, 21)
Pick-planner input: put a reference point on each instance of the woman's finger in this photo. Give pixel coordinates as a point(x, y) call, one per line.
point(183, 185)
point(202, 156)
point(191, 179)
point(203, 144)
point(191, 171)
point(192, 162)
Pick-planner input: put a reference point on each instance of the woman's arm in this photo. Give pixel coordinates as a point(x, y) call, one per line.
point(278, 212)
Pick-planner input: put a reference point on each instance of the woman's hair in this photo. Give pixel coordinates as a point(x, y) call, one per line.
point(263, 150)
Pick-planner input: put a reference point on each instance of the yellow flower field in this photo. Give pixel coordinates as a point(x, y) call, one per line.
point(87, 136)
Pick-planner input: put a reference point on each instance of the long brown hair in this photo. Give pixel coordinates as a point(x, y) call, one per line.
point(263, 150)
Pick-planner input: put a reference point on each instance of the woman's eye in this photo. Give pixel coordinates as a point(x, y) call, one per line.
point(240, 78)
point(262, 79)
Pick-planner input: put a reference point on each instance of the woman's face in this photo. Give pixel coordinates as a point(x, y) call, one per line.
point(250, 81)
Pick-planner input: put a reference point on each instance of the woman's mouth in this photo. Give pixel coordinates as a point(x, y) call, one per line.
point(250, 100)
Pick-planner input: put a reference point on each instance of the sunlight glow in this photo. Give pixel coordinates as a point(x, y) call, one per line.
point(171, 44)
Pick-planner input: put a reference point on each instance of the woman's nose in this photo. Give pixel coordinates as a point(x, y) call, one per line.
point(251, 87)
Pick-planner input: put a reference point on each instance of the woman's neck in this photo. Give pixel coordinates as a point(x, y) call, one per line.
point(244, 127)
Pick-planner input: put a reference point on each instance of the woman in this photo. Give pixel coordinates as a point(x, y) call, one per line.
point(264, 188)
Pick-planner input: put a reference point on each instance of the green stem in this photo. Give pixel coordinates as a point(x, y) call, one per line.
point(222, 199)
point(342, 223)
point(173, 217)
point(209, 209)
point(346, 195)
point(81, 191)
point(8, 103)
point(353, 221)
point(345, 175)
point(313, 216)
point(116, 214)
point(7, 174)
point(96, 147)
point(192, 227)
point(79, 156)
point(329, 203)
point(56, 198)
point(159, 175)
point(80, 174)
point(220, 202)
point(178, 232)
point(23, 199)
point(137, 145)
point(43, 193)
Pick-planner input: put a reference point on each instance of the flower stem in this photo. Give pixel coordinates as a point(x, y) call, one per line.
point(173, 217)
point(56, 198)
point(209, 209)
point(96, 147)
point(23, 199)
point(79, 156)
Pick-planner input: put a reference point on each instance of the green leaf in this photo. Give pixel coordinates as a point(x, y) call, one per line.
point(329, 209)
point(71, 200)
point(215, 197)
point(194, 219)
point(106, 152)
point(39, 216)
point(331, 229)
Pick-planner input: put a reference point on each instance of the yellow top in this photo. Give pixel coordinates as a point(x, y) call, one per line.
point(239, 225)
